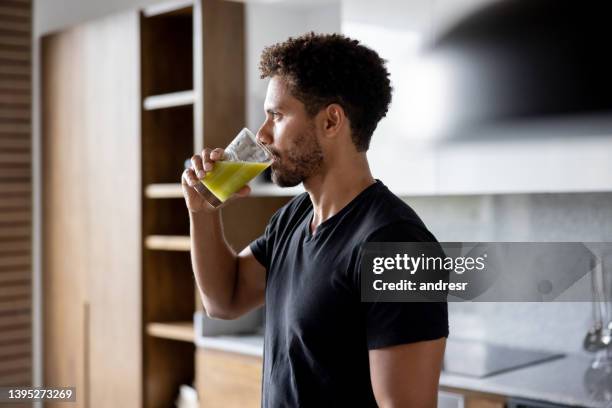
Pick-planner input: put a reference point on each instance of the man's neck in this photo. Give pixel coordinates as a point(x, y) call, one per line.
point(337, 186)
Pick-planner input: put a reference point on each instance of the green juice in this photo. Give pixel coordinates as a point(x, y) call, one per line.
point(227, 177)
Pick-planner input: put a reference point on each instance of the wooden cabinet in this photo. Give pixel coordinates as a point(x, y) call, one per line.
point(91, 193)
point(228, 380)
point(473, 399)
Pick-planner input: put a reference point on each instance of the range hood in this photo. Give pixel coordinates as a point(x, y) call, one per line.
point(525, 67)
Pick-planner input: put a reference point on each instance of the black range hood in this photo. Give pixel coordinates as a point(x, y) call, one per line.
point(521, 67)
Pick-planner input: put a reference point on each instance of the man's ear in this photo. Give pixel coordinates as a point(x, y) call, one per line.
point(334, 119)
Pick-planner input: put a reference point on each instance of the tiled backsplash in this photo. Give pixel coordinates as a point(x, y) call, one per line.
point(530, 217)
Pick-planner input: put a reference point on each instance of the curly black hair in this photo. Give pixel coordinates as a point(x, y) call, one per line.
point(322, 69)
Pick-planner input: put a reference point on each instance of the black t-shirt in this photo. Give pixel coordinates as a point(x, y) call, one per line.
point(318, 332)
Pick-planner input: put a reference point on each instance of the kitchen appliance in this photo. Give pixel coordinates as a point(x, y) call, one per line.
point(480, 359)
point(525, 403)
point(530, 67)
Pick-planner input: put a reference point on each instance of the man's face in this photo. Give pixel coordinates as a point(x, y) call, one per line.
point(291, 135)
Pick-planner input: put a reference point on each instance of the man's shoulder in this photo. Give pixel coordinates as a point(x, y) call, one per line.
point(389, 218)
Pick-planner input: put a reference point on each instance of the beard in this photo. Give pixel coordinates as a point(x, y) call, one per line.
point(303, 159)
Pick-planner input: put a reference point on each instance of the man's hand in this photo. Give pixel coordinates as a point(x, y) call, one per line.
point(407, 375)
point(201, 164)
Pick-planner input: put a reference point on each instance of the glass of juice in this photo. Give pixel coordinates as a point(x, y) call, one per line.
point(243, 160)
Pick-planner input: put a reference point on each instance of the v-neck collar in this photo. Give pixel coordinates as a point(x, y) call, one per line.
point(333, 219)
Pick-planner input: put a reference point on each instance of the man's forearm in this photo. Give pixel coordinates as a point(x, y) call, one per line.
point(213, 261)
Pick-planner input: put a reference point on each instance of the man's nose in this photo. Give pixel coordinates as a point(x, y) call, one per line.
point(264, 135)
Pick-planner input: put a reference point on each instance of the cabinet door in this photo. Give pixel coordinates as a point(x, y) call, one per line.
point(65, 261)
point(91, 139)
point(112, 112)
point(228, 380)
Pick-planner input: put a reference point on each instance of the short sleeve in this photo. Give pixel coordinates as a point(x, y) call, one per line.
point(259, 249)
point(393, 323)
point(263, 245)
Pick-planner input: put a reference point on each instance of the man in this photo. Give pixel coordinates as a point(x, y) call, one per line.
point(323, 346)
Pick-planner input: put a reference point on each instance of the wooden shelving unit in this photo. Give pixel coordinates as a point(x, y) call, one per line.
point(271, 190)
point(177, 7)
point(170, 100)
point(258, 189)
point(180, 331)
point(193, 95)
point(168, 242)
point(167, 115)
point(166, 190)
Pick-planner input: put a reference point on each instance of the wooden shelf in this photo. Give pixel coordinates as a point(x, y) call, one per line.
point(174, 190)
point(176, 7)
point(272, 190)
point(168, 242)
point(164, 190)
point(182, 331)
point(169, 100)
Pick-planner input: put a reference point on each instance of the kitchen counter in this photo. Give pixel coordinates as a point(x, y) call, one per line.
point(251, 345)
point(560, 381)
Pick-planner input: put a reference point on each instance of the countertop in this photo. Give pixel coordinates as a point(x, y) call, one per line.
point(560, 381)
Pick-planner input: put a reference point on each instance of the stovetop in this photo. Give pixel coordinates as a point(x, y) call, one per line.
point(479, 359)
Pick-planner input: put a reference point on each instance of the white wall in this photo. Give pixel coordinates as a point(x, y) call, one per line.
point(267, 24)
point(52, 15)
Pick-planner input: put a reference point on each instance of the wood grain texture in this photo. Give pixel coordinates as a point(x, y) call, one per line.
point(91, 169)
point(167, 141)
point(13, 201)
point(167, 54)
point(164, 190)
point(14, 231)
point(168, 242)
point(15, 193)
point(168, 283)
point(475, 399)
point(169, 364)
point(181, 331)
point(14, 291)
point(228, 380)
point(15, 378)
point(64, 217)
point(114, 184)
point(219, 72)
point(12, 277)
point(170, 100)
point(8, 11)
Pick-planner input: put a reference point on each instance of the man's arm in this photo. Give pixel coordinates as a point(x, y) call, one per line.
point(407, 375)
point(230, 284)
